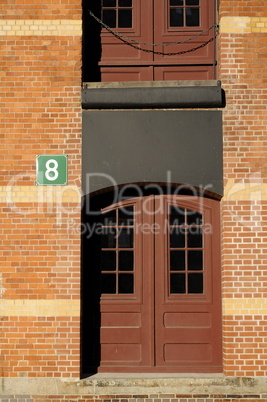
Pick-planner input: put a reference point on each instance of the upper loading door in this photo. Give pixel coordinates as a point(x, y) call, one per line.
point(157, 40)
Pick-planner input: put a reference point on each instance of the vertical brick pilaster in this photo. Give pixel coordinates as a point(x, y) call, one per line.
point(40, 81)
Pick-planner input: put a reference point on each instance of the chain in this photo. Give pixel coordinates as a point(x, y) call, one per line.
point(128, 39)
point(169, 53)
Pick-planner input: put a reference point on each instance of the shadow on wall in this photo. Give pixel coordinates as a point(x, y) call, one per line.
point(90, 281)
point(91, 47)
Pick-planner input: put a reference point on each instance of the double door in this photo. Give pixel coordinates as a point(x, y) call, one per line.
point(182, 31)
point(160, 304)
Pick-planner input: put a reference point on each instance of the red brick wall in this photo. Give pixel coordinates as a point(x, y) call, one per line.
point(243, 73)
point(40, 80)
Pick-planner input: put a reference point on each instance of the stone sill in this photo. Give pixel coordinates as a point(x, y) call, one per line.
point(139, 387)
point(153, 95)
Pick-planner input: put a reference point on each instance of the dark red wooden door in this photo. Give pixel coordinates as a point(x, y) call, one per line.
point(160, 273)
point(126, 305)
point(187, 284)
point(181, 29)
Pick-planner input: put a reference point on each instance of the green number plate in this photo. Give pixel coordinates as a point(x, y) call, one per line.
point(51, 170)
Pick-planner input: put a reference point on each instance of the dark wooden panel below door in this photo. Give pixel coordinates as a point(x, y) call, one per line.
point(120, 335)
point(125, 319)
point(120, 353)
point(173, 73)
point(184, 353)
point(187, 320)
point(127, 74)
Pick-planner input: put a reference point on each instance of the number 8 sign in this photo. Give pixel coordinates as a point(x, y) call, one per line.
point(51, 170)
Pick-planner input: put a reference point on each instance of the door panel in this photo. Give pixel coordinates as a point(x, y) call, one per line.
point(127, 323)
point(132, 73)
point(170, 319)
point(192, 36)
point(187, 353)
point(115, 51)
point(187, 332)
point(173, 73)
